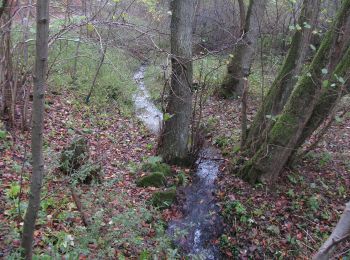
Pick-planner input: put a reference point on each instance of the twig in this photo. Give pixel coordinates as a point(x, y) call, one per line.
point(21, 182)
point(77, 202)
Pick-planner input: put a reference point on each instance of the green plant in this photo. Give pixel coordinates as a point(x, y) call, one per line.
point(313, 203)
point(222, 141)
point(325, 158)
point(13, 191)
point(237, 209)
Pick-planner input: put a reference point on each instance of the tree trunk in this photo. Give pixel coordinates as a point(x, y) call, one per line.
point(173, 144)
point(285, 81)
point(37, 127)
point(3, 7)
point(6, 68)
point(330, 94)
point(243, 55)
point(283, 137)
point(241, 16)
point(340, 232)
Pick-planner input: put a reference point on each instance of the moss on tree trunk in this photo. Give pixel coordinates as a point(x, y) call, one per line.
point(285, 81)
point(284, 136)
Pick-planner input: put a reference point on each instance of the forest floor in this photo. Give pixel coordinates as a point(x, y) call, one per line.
point(289, 220)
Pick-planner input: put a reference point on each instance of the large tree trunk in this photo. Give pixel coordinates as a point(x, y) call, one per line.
point(339, 234)
point(38, 125)
point(283, 137)
point(285, 81)
point(330, 95)
point(173, 144)
point(243, 55)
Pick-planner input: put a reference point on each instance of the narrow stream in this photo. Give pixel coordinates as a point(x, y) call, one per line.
point(145, 109)
point(201, 222)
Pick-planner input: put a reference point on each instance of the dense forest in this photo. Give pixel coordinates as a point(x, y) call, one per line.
point(175, 129)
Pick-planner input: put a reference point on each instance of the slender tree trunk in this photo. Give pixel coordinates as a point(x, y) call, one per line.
point(244, 112)
point(283, 137)
point(37, 127)
point(241, 15)
point(173, 144)
point(6, 67)
point(243, 55)
point(339, 234)
point(285, 81)
point(3, 7)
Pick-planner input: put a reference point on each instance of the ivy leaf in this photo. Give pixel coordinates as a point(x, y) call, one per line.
point(298, 27)
point(312, 47)
point(324, 71)
point(306, 25)
point(325, 83)
point(2, 134)
point(167, 116)
point(341, 80)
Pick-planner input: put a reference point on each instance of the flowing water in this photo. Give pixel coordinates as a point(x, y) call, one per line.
point(201, 222)
point(145, 109)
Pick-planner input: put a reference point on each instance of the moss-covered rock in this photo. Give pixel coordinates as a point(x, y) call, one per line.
point(75, 155)
point(157, 167)
point(156, 179)
point(163, 199)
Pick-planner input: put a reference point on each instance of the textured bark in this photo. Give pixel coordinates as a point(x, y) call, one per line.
point(340, 232)
point(241, 15)
point(37, 126)
point(173, 144)
point(6, 68)
point(243, 55)
point(330, 94)
point(3, 7)
point(285, 81)
point(283, 137)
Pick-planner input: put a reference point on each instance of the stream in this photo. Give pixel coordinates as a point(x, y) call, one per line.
point(201, 222)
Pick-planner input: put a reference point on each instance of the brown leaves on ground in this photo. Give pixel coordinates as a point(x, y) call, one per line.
point(292, 218)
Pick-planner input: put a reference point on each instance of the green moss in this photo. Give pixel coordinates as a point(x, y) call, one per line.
point(157, 167)
point(163, 199)
point(87, 173)
point(283, 128)
point(156, 179)
point(245, 172)
point(75, 155)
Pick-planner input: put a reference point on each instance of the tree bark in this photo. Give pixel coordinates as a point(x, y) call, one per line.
point(285, 81)
point(3, 7)
point(283, 137)
point(330, 95)
point(173, 144)
point(241, 15)
point(243, 55)
point(37, 126)
point(339, 234)
point(6, 68)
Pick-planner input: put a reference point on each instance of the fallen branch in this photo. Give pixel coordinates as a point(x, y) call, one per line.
point(77, 202)
point(339, 234)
